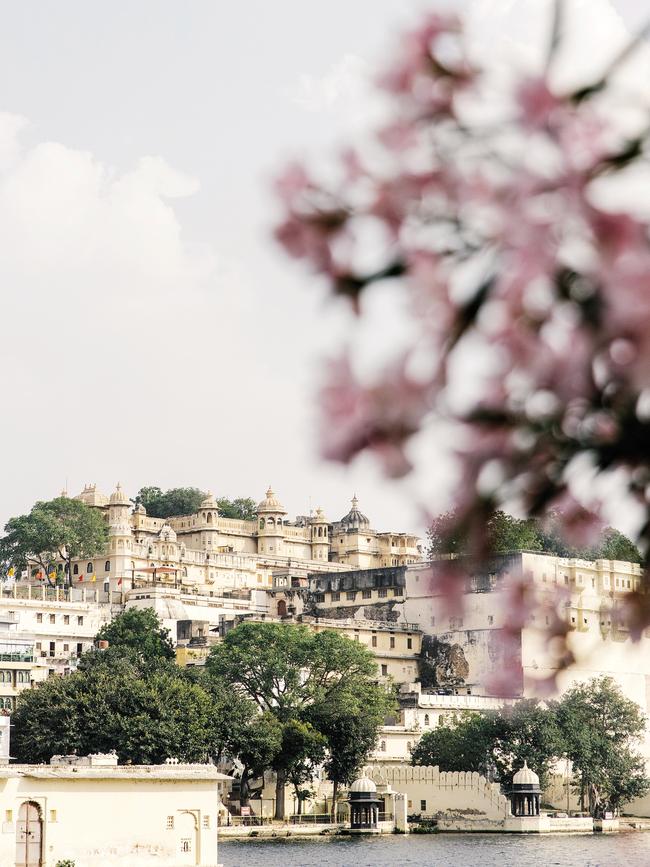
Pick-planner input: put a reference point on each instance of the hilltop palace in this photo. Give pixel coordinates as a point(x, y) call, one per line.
point(210, 553)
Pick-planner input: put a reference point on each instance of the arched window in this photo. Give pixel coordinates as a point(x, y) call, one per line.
point(382, 746)
point(107, 566)
point(262, 522)
point(75, 569)
point(408, 746)
point(271, 522)
point(209, 517)
point(89, 567)
point(426, 719)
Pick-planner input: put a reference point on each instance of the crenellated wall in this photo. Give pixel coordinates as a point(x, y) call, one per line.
point(431, 791)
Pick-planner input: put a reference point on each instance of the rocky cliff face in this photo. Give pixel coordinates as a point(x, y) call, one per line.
point(442, 663)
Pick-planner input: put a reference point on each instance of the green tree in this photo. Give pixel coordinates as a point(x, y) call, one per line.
point(529, 732)
point(256, 744)
point(144, 716)
point(350, 724)
point(175, 501)
point(138, 631)
point(448, 535)
point(243, 508)
point(54, 532)
point(289, 672)
point(302, 749)
point(601, 729)
point(614, 545)
point(462, 742)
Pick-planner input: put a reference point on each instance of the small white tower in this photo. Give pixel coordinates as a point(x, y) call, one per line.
point(320, 543)
point(270, 527)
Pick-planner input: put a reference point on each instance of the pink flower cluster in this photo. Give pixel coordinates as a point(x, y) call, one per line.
point(496, 231)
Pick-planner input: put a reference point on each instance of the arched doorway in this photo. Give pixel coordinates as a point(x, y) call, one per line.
point(282, 608)
point(29, 836)
point(187, 831)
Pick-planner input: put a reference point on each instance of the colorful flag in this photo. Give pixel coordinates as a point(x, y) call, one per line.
point(81, 577)
point(119, 581)
point(94, 578)
point(11, 572)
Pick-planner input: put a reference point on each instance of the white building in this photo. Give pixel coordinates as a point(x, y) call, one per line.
point(98, 814)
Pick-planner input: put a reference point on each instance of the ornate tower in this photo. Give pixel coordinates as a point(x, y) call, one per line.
point(320, 543)
point(270, 527)
point(120, 535)
point(207, 521)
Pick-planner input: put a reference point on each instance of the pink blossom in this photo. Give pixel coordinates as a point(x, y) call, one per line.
point(536, 102)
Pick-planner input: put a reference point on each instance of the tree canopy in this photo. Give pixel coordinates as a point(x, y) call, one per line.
point(56, 530)
point(448, 535)
point(593, 725)
point(139, 631)
point(308, 682)
point(168, 504)
point(186, 501)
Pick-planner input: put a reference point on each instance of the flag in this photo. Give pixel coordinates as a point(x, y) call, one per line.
point(94, 578)
point(81, 577)
point(39, 575)
point(52, 575)
point(119, 581)
point(11, 572)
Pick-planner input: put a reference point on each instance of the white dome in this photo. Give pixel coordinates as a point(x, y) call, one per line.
point(363, 784)
point(525, 776)
point(118, 497)
point(271, 503)
point(209, 502)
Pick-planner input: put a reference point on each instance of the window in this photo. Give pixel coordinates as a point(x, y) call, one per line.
point(426, 720)
point(336, 597)
point(52, 618)
point(80, 620)
point(52, 815)
point(186, 845)
point(89, 567)
point(409, 643)
point(66, 619)
point(384, 671)
point(366, 594)
point(75, 569)
point(107, 566)
point(409, 747)
point(382, 746)
point(490, 619)
point(39, 618)
point(170, 823)
point(80, 649)
point(423, 806)
point(66, 648)
point(52, 648)
point(5, 676)
point(206, 821)
point(392, 642)
point(382, 592)
point(373, 641)
point(351, 594)
point(38, 645)
point(22, 676)
point(397, 591)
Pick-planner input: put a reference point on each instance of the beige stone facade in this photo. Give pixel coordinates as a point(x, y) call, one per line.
point(211, 553)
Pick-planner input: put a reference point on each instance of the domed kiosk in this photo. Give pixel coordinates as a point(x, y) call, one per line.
point(364, 806)
point(525, 793)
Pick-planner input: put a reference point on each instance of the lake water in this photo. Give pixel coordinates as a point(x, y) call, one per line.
point(443, 850)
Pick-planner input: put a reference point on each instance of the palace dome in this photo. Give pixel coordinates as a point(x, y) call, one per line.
point(354, 518)
point(118, 497)
point(363, 784)
point(271, 503)
point(525, 777)
point(209, 502)
point(319, 517)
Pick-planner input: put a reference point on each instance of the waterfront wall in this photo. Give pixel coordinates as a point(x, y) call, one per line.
point(430, 791)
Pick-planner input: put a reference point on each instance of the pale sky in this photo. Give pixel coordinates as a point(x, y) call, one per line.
point(150, 332)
